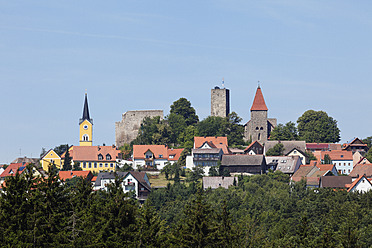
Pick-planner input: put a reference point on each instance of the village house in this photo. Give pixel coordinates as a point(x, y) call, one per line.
point(50, 158)
point(356, 145)
point(290, 148)
point(154, 156)
point(360, 170)
point(244, 164)
point(361, 184)
point(132, 181)
point(335, 182)
point(68, 175)
point(312, 174)
point(343, 160)
point(255, 148)
point(286, 164)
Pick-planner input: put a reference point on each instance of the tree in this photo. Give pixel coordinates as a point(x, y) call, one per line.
point(67, 161)
point(317, 126)
point(186, 138)
point(183, 107)
point(196, 173)
point(177, 124)
point(211, 126)
point(233, 130)
point(126, 150)
point(77, 167)
point(284, 132)
point(61, 149)
point(153, 131)
point(277, 150)
point(310, 156)
point(327, 159)
point(368, 141)
point(369, 155)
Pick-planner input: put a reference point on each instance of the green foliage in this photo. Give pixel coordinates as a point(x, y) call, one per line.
point(277, 150)
point(218, 126)
point(195, 174)
point(327, 159)
point(67, 161)
point(284, 132)
point(153, 131)
point(76, 167)
point(310, 156)
point(317, 126)
point(369, 155)
point(183, 108)
point(126, 151)
point(61, 149)
point(368, 141)
point(186, 138)
point(125, 167)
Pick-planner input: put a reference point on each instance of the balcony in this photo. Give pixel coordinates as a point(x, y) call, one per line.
point(206, 159)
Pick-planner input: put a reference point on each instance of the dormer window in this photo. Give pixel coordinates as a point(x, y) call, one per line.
point(108, 157)
point(342, 156)
point(100, 157)
point(160, 155)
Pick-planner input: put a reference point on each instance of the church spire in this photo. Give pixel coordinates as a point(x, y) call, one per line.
point(259, 101)
point(86, 111)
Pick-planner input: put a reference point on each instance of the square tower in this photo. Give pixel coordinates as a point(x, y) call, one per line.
point(220, 102)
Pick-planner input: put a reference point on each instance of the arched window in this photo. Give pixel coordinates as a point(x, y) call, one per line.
point(256, 128)
point(100, 157)
point(85, 137)
point(261, 128)
point(108, 157)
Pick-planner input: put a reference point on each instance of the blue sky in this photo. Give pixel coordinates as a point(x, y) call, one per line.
point(132, 55)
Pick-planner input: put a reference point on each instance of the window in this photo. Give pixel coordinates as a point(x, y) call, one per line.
point(100, 157)
point(261, 128)
point(85, 137)
point(111, 165)
point(160, 155)
point(108, 157)
point(106, 164)
point(100, 164)
point(95, 165)
point(84, 165)
point(342, 156)
point(90, 165)
point(256, 128)
point(171, 156)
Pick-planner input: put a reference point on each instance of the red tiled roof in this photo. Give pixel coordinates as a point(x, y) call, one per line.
point(259, 101)
point(361, 169)
point(335, 155)
point(11, 170)
point(352, 185)
point(325, 167)
point(90, 153)
point(248, 147)
point(199, 141)
point(321, 146)
point(158, 150)
point(70, 174)
point(94, 178)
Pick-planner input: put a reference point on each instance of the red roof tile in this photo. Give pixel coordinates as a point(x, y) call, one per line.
point(259, 101)
point(90, 153)
point(199, 141)
point(159, 151)
point(12, 169)
point(70, 174)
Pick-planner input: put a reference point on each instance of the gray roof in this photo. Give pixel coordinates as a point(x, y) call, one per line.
point(207, 150)
point(288, 145)
point(216, 182)
point(108, 175)
point(232, 160)
point(335, 181)
point(285, 164)
point(26, 160)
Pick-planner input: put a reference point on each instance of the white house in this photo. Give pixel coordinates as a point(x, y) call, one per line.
point(154, 156)
point(362, 185)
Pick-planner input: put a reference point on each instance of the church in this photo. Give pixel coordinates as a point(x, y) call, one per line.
point(258, 128)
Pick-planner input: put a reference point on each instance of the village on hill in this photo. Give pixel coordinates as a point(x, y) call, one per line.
point(178, 181)
point(217, 147)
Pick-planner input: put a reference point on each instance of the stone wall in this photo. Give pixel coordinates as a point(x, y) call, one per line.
point(126, 130)
point(220, 102)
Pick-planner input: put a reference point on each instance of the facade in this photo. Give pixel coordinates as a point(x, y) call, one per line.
point(95, 158)
point(220, 102)
point(356, 145)
point(343, 160)
point(154, 156)
point(255, 148)
point(361, 185)
point(216, 182)
point(127, 129)
point(86, 126)
point(244, 164)
point(133, 181)
point(49, 159)
point(259, 126)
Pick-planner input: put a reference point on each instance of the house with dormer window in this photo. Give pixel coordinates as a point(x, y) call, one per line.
point(154, 157)
point(95, 158)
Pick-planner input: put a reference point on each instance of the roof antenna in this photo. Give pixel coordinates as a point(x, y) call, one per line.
point(223, 82)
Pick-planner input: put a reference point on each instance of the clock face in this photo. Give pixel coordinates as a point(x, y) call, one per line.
point(85, 127)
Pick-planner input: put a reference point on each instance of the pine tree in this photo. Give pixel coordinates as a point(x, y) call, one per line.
point(67, 161)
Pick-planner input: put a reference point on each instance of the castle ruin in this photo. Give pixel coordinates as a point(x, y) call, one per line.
point(127, 129)
point(220, 102)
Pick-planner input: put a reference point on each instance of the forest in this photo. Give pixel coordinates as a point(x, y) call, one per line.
point(260, 211)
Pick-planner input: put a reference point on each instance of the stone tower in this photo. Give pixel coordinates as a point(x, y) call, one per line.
point(220, 102)
point(259, 127)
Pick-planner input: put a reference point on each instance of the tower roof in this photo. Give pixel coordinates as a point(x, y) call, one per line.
point(86, 111)
point(259, 101)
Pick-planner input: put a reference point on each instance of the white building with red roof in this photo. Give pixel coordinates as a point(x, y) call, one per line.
point(154, 156)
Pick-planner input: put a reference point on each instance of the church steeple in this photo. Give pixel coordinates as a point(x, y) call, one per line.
point(259, 101)
point(86, 126)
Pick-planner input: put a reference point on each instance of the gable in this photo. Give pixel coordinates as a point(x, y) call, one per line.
point(51, 154)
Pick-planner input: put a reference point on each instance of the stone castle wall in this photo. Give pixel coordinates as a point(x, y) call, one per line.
point(126, 130)
point(220, 102)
